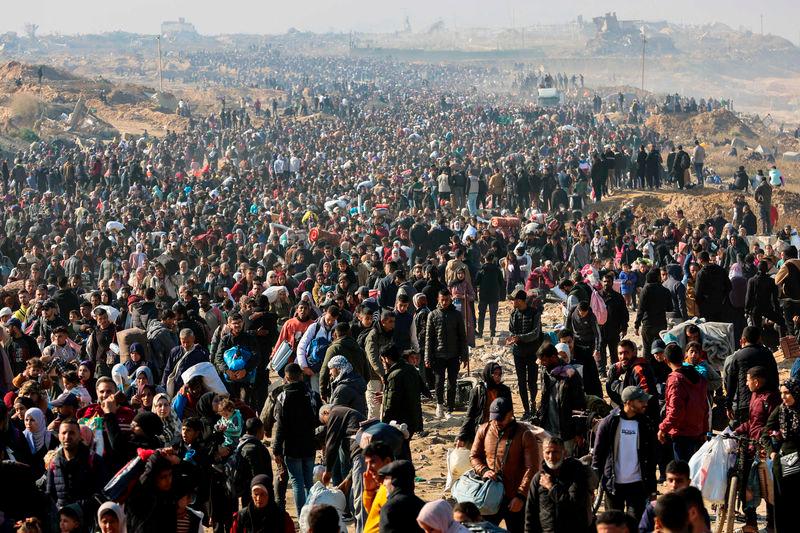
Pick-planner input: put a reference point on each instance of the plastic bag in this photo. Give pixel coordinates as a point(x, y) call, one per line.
point(321, 495)
point(709, 467)
point(457, 464)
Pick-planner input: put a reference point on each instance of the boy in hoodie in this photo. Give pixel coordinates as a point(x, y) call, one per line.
point(686, 420)
point(763, 400)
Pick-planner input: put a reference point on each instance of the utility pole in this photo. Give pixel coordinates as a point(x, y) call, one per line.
point(644, 42)
point(160, 71)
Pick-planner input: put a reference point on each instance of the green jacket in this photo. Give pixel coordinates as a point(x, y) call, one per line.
point(350, 350)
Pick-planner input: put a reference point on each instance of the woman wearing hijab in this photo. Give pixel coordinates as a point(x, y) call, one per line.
point(88, 381)
point(111, 518)
point(171, 425)
point(40, 439)
point(464, 301)
point(262, 514)
point(208, 414)
point(485, 392)
point(437, 517)
point(783, 432)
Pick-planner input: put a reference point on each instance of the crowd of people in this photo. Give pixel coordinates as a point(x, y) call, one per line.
point(194, 323)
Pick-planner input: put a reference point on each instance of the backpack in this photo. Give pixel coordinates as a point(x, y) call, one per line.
point(316, 351)
point(598, 307)
point(237, 478)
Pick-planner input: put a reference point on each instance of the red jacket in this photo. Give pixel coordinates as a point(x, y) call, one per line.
point(762, 403)
point(687, 404)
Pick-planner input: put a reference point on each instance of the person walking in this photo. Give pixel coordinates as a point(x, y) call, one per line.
point(490, 285)
point(763, 197)
point(562, 395)
point(295, 421)
point(616, 325)
point(488, 389)
point(525, 327)
point(783, 437)
point(624, 454)
point(505, 450)
point(446, 347)
point(685, 399)
point(751, 354)
point(651, 315)
point(560, 493)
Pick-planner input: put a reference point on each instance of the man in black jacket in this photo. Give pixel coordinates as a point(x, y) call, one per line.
point(143, 312)
point(616, 325)
point(559, 498)
point(752, 353)
point(525, 326)
point(399, 513)
point(490, 285)
point(651, 316)
point(711, 290)
point(295, 421)
point(677, 290)
point(562, 395)
point(445, 348)
point(761, 299)
point(65, 298)
point(624, 453)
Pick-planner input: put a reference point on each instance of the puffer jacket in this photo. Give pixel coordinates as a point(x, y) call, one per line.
point(350, 390)
point(564, 507)
point(76, 481)
point(604, 453)
point(478, 410)
point(522, 463)
point(445, 335)
point(527, 324)
point(350, 350)
point(686, 404)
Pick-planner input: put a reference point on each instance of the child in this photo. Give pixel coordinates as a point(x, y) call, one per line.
point(69, 519)
point(72, 385)
point(230, 425)
point(627, 283)
point(75, 324)
point(696, 356)
point(762, 403)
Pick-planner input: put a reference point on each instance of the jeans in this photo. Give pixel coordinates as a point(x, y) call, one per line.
point(458, 197)
point(632, 495)
point(527, 374)
point(357, 492)
point(684, 447)
point(472, 203)
point(449, 367)
point(698, 171)
point(492, 317)
point(609, 344)
point(301, 476)
point(766, 222)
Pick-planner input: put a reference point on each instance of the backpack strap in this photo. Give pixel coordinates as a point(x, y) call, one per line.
point(509, 440)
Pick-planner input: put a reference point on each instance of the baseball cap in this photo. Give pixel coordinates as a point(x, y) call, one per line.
point(634, 393)
point(657, 346)
point(6, 311)
point(66, 400)
point(14, 322)
point(400, 470)
point(499, 409)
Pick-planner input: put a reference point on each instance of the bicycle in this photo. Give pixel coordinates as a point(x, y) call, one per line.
point(726, 513)
point(587, 422)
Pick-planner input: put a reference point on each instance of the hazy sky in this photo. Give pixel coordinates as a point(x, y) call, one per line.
point(268, 16)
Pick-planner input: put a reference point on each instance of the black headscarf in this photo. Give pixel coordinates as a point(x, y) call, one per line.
point(488, 370)
point(267, 519)
point(205, 407)
point(790, 416)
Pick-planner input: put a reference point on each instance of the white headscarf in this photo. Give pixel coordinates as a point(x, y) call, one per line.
point(41, 438)
point(117, 510)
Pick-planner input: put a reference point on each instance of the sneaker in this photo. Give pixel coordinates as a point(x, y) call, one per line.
point(447, 415)
point(439, 411)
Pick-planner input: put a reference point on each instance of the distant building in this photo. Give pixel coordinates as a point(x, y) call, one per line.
point(175, 28)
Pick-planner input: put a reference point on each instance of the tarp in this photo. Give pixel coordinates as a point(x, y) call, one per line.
point(718, 341)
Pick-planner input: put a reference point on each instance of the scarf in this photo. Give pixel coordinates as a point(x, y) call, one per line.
point(41, 438)
point(790, 416)
point(172, 426)
point(438, 515)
